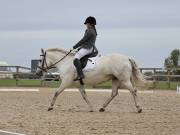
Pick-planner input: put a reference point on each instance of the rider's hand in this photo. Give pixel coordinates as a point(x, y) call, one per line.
point(74, 47)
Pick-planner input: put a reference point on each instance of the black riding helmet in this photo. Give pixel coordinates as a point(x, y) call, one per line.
point(90, 20)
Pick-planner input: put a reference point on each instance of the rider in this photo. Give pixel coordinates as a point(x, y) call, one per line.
point(85, 46)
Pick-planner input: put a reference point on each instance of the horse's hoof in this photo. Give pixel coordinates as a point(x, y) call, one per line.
point(50, 108)
point(101, 110)
point(140, 110)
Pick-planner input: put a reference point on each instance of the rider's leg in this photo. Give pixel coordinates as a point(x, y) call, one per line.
point(77, 63)
point(83, 52)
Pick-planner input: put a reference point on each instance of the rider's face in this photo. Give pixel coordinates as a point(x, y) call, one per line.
point(88, 25)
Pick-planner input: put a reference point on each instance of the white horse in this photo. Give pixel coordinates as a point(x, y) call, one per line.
point(122, 70)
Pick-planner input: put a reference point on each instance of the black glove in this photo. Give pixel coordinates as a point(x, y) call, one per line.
point(74, 47)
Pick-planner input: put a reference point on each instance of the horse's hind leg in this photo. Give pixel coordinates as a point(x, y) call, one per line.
point(115, 85)
point(133, 92)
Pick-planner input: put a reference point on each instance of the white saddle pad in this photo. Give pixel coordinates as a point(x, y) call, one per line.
point(91, 64)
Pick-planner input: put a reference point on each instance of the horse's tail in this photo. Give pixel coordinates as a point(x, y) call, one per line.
point(137, 76)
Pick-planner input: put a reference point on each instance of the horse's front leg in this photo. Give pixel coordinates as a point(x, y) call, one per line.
point(64, 84)
point(83, 93)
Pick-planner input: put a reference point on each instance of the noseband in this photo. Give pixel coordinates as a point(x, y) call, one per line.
point(45, 67)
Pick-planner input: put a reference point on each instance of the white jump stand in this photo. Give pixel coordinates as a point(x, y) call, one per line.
point(178, 89)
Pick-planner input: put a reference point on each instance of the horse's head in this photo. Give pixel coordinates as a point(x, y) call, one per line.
point(44, 64)
point(50, 58)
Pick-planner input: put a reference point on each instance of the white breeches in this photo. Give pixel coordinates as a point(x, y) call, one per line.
point(82, 52)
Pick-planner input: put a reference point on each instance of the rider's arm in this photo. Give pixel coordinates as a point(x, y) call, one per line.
point(86, 37)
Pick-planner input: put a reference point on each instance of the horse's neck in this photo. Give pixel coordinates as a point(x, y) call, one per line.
point(56, 56)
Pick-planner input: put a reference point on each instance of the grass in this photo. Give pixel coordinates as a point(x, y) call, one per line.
point(165, 85)
point(54, 84)
point(158, 85)
point(7, 82)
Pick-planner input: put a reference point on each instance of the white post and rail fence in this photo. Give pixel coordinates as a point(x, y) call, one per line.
point(158, 75)
point(19, 73)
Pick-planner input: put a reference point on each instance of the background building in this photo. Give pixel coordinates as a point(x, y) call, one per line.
point(5, 70)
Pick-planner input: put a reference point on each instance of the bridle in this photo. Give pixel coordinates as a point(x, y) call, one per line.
point(44, 67)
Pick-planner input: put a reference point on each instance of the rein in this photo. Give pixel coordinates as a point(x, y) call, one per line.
point(53, 65)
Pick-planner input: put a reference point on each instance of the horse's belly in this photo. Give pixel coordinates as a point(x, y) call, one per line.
point(96, 79)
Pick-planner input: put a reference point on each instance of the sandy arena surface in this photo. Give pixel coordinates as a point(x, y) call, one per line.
point(26, 112)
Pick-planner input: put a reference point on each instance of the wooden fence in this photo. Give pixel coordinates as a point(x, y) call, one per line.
point(15, 72)
point(24, 73)
point(20, 73)
point(156, 74)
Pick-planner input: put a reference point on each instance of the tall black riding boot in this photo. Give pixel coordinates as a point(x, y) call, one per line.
point(80, 75)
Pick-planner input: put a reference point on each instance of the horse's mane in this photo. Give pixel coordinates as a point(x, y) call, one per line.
point(59, 50)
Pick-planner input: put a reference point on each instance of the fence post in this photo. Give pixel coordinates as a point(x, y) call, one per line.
point(168, 77)
point(154, 78)
point(17, 71)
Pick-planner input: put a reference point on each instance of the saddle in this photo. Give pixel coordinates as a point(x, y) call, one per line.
point(85, 59)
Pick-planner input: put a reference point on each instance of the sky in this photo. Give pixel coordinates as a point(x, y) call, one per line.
point(146, 30)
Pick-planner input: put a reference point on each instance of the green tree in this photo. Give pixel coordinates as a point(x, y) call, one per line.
point(168, 63)
point(175, 56)
point(172, 60)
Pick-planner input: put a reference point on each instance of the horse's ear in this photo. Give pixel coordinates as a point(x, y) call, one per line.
point(42, 50)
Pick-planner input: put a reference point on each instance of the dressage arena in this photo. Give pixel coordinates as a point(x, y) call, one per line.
point(26, 112)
